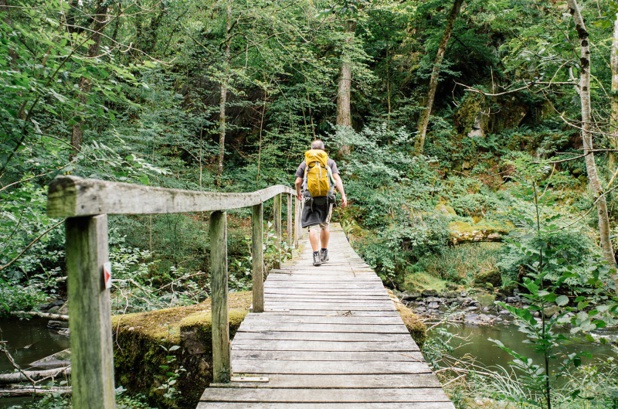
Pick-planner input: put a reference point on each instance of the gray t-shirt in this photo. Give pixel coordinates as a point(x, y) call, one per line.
point(300, 172)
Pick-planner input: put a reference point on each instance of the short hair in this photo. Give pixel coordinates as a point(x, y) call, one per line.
point(317, 144)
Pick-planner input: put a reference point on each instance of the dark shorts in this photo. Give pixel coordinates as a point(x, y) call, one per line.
point(318, 213)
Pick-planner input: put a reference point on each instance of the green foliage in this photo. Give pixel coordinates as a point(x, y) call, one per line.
point(585, 308)
point(461, 264)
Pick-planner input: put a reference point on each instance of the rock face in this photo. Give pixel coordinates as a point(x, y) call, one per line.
point(180, 340)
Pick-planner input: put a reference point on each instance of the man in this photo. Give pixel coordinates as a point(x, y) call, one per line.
point(318, 214)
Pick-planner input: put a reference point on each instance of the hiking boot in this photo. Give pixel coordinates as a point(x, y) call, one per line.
point(317, 259)
point(324, 255)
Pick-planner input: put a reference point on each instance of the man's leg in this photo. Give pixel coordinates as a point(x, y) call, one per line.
point(314, 237)
point(324, 237)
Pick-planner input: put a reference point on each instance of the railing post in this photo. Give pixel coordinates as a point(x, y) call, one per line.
point(222, 368)
point(289, 226)
point(297, 220)
point(257, 244)
point(92, 359)
point(277, 226)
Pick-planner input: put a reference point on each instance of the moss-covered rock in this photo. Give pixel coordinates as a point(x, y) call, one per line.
point(155, 347)
point(489, 279)
point(484, 230)
point(415, 326)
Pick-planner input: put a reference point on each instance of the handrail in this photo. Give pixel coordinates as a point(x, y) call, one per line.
point(71, 196)
point(86, 203)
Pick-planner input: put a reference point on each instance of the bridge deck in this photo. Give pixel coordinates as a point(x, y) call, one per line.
point(330, 338)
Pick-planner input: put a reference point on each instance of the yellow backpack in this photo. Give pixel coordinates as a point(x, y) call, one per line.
point(318, 179)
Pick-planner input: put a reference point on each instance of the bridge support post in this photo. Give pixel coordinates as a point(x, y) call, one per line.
point(277, 227)
point(289, 225)
point(92, 358)
point(222, 368)
point(297, 215)
point(257, 248)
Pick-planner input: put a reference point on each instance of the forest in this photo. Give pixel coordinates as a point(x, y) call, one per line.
point(477, 142)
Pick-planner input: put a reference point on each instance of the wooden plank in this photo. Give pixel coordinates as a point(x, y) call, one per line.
point(327, 395)
point(342, 306)
point(318, 297)
point(323, 381)
point(329, 367)
point(222, 368)
point(324, 336)
point(276, 319)
point(340, 328)
point(248, 343)
point(330, 405)
point(70, 196)
point(257, 251)
point(365, 356)
point(92, 360)
point(331, 312)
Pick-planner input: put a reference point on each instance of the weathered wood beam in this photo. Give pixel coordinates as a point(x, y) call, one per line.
point(70, 196)
point(289, 226)
point(18, 377)
point(257, 250)
point(277, 227)
point(221, 347)
point(92, 361)
point(25, 391)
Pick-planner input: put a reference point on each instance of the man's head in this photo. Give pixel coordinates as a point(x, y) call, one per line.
point(317, 144)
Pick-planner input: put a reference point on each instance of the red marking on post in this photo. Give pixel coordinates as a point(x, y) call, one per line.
point(107, 275)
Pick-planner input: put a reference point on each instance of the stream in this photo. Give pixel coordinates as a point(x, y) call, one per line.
point(473, 340)
point(27, 341)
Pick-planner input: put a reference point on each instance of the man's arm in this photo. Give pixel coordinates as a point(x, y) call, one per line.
point(298, 183)
point(339, 186)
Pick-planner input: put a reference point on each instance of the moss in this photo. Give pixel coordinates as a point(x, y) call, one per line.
point(417, 282)
point(143, 342)
point(415, 326)
point(484, 230)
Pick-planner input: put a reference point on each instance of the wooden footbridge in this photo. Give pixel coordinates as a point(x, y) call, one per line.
point(318, 337)
point(330, 337)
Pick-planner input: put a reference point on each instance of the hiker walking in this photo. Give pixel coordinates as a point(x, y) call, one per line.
point(316, 178)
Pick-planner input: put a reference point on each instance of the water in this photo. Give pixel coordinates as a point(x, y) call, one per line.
point(27, 341)
point(474, 341)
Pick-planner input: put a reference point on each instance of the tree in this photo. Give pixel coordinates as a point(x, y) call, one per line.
point(613, 122)
point(99, 22)
point(435, 73)
point(586, 133)
point(344, 112)
point(224, 84)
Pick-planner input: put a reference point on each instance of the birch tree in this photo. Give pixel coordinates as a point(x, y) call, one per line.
point(586, 133)
point(224, 86)
point(613, 122)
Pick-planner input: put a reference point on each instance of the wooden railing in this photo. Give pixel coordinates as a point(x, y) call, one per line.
point(86, 203)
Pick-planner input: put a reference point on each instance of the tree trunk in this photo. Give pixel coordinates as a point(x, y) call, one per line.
point(344, 111)
point(224, 85)
point(591, 168)
point(613, 120)
point(435, 73)
point(99, 23)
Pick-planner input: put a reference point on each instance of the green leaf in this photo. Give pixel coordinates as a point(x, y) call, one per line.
point(562, 300)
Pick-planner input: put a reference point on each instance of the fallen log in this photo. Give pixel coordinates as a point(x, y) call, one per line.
point(18, 377)
point(59, 317)
point(4, 393)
